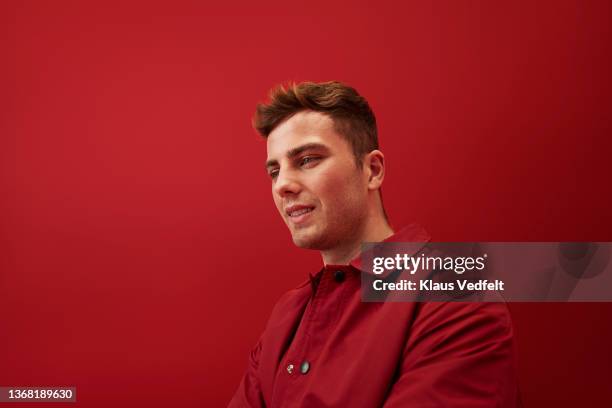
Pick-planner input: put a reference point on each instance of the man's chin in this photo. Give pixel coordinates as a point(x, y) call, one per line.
point(306, 241)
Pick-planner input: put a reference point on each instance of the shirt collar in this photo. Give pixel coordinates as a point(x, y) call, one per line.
point(411, 233)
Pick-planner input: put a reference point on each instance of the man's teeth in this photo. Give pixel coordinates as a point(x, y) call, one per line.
point(300, 212)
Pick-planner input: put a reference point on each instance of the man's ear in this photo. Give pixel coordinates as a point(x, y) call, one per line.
point(374, 163)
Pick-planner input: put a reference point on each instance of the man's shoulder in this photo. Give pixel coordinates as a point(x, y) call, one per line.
point(290, 304)
point(494, 311)
point(297, 293)
point(482, 321)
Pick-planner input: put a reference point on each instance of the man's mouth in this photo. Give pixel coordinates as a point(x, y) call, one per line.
point(298, 213)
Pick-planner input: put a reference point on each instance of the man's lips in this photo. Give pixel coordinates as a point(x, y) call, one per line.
point(298, 212)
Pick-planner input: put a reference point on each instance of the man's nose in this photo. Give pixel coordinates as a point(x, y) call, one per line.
point(286, 183)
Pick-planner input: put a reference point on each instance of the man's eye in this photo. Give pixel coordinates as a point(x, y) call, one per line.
point(308, 159)
point(273, 174)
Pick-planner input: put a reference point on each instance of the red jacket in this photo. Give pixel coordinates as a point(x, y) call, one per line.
point(324, 347)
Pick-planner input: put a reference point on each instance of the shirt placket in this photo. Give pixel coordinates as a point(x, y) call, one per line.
point(292, 375)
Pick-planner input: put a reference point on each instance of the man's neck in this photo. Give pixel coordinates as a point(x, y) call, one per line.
point(344, 254)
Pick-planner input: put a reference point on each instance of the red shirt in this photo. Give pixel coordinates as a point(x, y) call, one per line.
point(324, 347)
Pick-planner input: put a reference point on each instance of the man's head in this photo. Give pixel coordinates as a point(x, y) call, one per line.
point(324, 162)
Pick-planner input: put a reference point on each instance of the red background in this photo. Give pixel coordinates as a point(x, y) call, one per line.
point(140, 249)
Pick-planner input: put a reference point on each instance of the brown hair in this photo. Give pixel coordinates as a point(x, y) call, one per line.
point(353, 118)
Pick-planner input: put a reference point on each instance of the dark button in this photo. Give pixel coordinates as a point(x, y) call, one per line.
point(305, 367)
point(339, 276)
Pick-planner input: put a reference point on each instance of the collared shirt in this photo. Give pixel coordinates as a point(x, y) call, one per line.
point(324, 347)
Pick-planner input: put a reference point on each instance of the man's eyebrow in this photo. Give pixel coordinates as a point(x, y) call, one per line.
point(296, 151)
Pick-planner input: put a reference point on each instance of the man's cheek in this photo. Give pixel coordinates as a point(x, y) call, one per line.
point(331, 185)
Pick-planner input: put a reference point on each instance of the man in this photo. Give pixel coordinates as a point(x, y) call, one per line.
point(323, 346)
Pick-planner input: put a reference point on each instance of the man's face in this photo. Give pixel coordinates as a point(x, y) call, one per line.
point(317, 187)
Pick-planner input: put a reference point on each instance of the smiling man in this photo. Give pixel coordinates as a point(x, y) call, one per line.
point(325, 201)
point(323, 346)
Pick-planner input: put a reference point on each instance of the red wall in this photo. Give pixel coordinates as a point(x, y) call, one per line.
point(140, 251)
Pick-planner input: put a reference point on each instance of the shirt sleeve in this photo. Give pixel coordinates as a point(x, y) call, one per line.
point(458, 355)
point(248, 394)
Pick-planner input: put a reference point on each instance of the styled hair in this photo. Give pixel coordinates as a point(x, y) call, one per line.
point(352, 116)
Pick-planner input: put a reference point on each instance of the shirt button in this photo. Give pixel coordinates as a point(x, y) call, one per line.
point(304, 367)
point(339, 276)
point(290, 368)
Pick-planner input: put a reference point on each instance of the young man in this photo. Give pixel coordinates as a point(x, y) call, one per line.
point(323, 346)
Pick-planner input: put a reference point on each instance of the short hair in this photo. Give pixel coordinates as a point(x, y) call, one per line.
point(352, 116)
